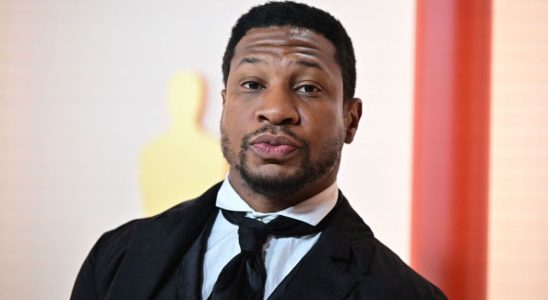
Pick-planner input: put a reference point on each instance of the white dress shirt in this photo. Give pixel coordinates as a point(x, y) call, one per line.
point(281, 254)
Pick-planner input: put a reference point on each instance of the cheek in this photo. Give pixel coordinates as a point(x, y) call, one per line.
point(232, 108)
point(232, 123)
point(324, 123)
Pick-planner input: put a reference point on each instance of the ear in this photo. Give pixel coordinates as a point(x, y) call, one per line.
point(223, 95)
point(352, 116)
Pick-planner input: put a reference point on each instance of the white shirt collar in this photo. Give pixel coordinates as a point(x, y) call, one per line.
point(310, 211)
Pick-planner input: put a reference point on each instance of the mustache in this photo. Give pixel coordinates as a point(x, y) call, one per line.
point(273, 129)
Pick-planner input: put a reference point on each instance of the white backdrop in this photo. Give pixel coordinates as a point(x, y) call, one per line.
point(83, 87)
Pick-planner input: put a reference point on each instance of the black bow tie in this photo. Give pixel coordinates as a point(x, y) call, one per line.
point(244, 276)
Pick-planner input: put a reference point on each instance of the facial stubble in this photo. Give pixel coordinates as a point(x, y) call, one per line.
point(277, 186)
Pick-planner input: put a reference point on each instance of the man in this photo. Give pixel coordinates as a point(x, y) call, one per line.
point(278, 227)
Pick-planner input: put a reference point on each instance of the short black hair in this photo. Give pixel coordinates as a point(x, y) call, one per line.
point(299, 15)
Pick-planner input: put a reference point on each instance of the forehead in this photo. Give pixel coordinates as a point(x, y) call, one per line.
point(284, 41)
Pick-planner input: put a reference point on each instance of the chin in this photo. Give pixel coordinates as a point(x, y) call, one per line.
point(273, 181)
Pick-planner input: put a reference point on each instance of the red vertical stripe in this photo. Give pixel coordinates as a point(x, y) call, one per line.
point(451, 145)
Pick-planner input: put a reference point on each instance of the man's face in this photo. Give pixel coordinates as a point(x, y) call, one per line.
point(284, 121)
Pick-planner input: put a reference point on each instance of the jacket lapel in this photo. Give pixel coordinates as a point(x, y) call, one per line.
point(157, 247)
point(332, 267)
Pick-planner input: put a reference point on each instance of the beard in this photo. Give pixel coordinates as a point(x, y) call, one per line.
point(275, 185)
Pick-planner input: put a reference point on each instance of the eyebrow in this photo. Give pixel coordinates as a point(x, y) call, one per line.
point(250, 60)
point(304, 63)
point(309, 64)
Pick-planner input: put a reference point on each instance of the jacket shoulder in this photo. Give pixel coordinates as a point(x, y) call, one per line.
point(114, 242)
point(380, 273)
point(100, 266)
point(103, 261)
point(394, 279)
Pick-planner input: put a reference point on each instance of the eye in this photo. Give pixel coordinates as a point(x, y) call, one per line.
point(252, 85)
point(307, 89)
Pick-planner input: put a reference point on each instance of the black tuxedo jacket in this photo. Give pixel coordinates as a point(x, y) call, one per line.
point(139, 260)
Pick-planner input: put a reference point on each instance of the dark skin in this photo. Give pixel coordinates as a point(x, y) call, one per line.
point(284, 97)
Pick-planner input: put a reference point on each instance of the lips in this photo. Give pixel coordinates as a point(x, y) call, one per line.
point(274, 147)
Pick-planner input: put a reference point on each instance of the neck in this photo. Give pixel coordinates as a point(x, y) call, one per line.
point(273, 203)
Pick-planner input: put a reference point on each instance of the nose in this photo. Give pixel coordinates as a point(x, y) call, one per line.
point(277, 107)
